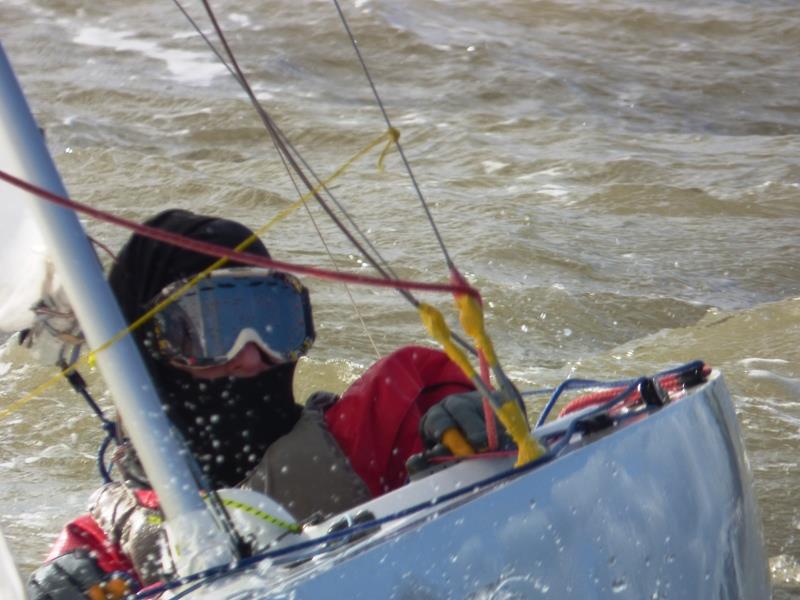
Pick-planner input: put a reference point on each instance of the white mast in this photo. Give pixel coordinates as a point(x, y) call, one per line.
point(23, 154)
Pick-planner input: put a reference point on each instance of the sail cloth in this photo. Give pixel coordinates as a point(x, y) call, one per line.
point(10, 582)
point(26, 271)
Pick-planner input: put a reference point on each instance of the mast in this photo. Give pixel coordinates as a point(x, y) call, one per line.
point(23, 153)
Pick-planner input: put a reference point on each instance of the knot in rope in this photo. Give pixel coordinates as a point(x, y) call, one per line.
point(394, 136)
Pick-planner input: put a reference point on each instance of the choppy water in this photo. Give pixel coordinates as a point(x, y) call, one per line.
point(619, 178)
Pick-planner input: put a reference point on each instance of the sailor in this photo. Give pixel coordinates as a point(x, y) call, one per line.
point(222, 358)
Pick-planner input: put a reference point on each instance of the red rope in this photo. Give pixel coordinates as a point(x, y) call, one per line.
point(670, 383)
point(242, 257)
point(488, 413)
point(456, 278)
point(592, 399)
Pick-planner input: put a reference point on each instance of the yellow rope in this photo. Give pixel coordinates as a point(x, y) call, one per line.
point(394, 137)
point(507, 410)
point(260, 514)
point(90, 358)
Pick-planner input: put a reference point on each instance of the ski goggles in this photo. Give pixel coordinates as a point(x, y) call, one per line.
point(212, 322)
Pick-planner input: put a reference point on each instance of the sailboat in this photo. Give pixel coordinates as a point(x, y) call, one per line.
point(643, 489)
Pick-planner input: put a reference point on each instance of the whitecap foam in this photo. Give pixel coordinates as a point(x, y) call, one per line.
point(774, 361)
point(185, 66)
point(492, 166)
point(555, 191)
point(239, 19)
point(790, 383)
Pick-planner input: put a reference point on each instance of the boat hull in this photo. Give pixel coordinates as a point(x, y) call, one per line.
point(662, 507)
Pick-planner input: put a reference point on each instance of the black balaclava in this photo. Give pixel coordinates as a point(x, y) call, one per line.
point(229, 422)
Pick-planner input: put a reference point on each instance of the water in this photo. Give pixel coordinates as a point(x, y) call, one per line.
point(619, 178)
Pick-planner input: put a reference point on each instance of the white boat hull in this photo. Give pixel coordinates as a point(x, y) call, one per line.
point(660, 508)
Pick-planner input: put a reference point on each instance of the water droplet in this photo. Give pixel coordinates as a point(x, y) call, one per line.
point(619, 585)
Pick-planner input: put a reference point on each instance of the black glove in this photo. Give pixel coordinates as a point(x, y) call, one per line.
point(76, 576)
point(459, 416)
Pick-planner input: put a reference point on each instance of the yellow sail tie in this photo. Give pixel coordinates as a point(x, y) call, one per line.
point(507, 409)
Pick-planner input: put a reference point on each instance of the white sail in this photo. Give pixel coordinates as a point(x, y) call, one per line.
point(160, 450)
point(26, 273)
point(10, 582)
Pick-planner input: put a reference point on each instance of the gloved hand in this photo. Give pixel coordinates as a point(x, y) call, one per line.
point(76, 576)
point(457, 423)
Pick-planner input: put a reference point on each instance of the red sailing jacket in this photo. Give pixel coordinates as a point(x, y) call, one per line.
point(375, 422)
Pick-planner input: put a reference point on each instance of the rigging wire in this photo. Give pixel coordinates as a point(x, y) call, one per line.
point(353, 302)
point(470, 309)
point(291, 157)
point(272, 130)
point(289, 153)
point(262, 114)
point(243, 84)
point(510, 407)
point(400, 151)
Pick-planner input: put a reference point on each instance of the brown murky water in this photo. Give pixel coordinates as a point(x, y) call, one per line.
point(619, 178)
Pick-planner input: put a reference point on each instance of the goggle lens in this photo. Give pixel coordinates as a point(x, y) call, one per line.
point(211, 322)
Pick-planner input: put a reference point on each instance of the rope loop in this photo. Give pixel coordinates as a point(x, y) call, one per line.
point(394, 137)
